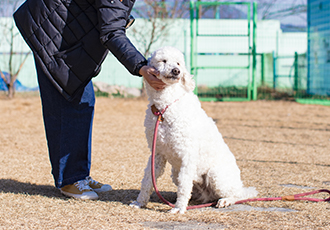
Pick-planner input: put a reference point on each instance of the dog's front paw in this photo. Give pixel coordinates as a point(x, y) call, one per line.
point(177, 210)
point(225, 202)
point(135, 204)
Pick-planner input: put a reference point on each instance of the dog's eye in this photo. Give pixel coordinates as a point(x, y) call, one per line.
point(164, 61)
point(178, 63)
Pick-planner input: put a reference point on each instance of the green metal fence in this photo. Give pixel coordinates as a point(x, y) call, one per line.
point(289, 79)
point(222, 72)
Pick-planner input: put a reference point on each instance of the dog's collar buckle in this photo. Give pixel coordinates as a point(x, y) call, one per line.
point(158, 113)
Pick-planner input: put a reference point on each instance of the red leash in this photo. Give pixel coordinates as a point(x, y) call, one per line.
point(300, 196)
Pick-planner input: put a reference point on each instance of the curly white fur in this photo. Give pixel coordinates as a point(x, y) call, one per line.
point(202, 164)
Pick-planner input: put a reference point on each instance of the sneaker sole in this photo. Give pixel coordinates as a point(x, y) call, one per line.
point(104, 188)
point(84, 196)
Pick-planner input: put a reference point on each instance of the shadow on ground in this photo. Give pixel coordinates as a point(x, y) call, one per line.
point(17, 187)
point(124, 196)
point(190, 225)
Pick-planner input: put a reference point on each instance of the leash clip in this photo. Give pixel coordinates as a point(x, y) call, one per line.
point(157, 113)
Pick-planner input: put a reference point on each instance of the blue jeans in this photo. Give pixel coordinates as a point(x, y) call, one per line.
point(68, 127)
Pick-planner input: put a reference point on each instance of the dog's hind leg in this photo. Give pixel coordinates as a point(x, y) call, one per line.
point(243, 194)
point(229, 188)
point(146, 184)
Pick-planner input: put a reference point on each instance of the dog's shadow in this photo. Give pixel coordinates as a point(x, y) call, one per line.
point(124, 196)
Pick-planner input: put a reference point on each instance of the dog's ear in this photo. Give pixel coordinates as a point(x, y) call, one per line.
point(188, 81)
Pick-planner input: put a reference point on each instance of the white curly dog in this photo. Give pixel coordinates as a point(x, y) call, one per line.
point(203, 167)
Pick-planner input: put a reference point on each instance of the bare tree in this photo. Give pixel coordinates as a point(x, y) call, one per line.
point(157, 17)
point(279, 9)
point(9, 33)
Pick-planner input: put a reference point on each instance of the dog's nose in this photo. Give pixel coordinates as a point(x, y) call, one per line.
point(176, 71)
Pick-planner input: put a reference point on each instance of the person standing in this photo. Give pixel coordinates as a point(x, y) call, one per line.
point(70, 39)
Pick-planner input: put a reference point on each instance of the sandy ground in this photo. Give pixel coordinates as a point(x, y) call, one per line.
point(282, 148)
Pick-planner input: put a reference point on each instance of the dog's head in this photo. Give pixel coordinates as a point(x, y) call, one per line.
point(170, 63)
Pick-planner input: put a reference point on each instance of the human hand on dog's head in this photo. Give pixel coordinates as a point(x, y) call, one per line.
point(149, 74)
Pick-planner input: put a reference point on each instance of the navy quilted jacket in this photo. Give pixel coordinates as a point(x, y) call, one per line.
point(71, 38)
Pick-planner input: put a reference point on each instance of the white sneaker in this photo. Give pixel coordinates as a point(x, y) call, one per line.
point(79, 190)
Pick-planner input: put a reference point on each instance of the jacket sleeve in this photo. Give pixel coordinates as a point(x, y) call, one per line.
point(112, 16)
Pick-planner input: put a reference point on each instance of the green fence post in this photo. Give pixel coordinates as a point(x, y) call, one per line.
point(250, 79)
point(192, 43)
point(262, 69)
point(254, 53)
point(295, 73)
point(274, 70)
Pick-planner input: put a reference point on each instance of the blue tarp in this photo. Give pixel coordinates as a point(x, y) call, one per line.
point(318, 80)
point(18, 85)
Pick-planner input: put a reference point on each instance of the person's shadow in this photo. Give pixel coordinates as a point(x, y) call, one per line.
point(124, 196)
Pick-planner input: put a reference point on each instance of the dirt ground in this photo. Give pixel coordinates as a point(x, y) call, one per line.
point(282, 148)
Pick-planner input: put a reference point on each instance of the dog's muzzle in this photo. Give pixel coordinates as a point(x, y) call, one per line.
point(174, 74)
point(176, 71)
